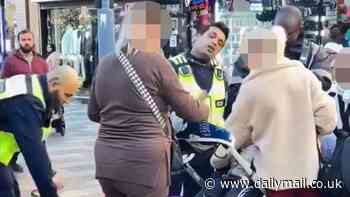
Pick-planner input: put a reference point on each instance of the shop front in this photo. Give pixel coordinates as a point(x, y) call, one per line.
point(68, 33)
point(70, 27)
point(2, 31)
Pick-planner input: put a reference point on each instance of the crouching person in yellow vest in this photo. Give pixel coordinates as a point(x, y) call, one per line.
point(199, 71)
point(26, 102)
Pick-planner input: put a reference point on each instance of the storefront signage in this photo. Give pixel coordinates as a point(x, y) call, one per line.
point(198, 5)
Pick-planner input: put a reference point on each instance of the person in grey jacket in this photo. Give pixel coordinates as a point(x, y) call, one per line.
point(132, 152)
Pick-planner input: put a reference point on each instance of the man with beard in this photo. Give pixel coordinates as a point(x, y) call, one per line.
point(199, 71)
point(23, 61)
point(26, 103)
point(313, 56)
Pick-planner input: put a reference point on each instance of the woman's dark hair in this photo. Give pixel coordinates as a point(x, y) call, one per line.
point(222, 27)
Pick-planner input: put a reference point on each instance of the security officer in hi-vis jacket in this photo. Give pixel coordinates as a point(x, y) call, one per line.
point(199, 72)
point(26, 104)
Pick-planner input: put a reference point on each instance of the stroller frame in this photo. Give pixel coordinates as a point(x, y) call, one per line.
point(198, 179)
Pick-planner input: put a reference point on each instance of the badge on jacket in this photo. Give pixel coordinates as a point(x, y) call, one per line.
point(220, 103)
point(185, 70)
point(219, 74)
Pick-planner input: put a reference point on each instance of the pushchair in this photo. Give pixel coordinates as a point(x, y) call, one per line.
point(207, 135)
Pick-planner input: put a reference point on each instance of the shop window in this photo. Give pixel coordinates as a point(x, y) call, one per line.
point(69, 37)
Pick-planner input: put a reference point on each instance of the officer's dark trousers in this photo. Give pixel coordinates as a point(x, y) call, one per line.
point(22, 120)
point(8, 184)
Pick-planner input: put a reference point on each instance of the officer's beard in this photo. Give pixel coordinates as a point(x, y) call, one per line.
point(55, 101)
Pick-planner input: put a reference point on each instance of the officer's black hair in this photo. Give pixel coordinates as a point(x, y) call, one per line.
point(223, 27)
point(25, 31)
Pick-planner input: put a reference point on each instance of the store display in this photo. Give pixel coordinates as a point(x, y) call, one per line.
point(73, 33)
point(2, 33)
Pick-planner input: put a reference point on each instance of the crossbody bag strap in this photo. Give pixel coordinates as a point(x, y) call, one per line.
point(143, 91)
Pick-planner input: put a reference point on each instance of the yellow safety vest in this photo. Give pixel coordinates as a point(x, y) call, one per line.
point(11, 87)
point(216, 96)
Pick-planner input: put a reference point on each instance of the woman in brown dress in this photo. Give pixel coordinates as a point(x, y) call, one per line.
point(132, 152)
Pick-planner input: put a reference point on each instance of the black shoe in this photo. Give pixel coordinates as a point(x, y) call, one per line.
point(17, 168)
point(61, 130)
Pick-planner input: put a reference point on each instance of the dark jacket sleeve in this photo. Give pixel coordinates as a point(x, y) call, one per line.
point(25, 117)
point(239, 68)
point(232, 93)
point(93, 108)
point(177, 97)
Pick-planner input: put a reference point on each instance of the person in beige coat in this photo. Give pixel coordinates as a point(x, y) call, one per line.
point(281, 109)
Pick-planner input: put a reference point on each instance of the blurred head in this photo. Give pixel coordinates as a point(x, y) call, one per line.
point(26, 41)
point(342, 69)
point(211, 42)
point(63, 82)
point(261, 48)
point(290, 18)
point(144, 27)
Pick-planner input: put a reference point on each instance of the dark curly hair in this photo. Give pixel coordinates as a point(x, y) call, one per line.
point(223, 27)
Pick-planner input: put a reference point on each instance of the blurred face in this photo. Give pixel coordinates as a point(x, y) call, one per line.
point(144, 31)
point(26, 42)
point(259, 49)
point(342, 69)
point(145, 36)
point(210, 43)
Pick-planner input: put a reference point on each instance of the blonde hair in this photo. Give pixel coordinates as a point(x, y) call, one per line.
point(65, 75)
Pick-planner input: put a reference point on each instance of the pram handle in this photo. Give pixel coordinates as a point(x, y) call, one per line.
point(243, 163)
